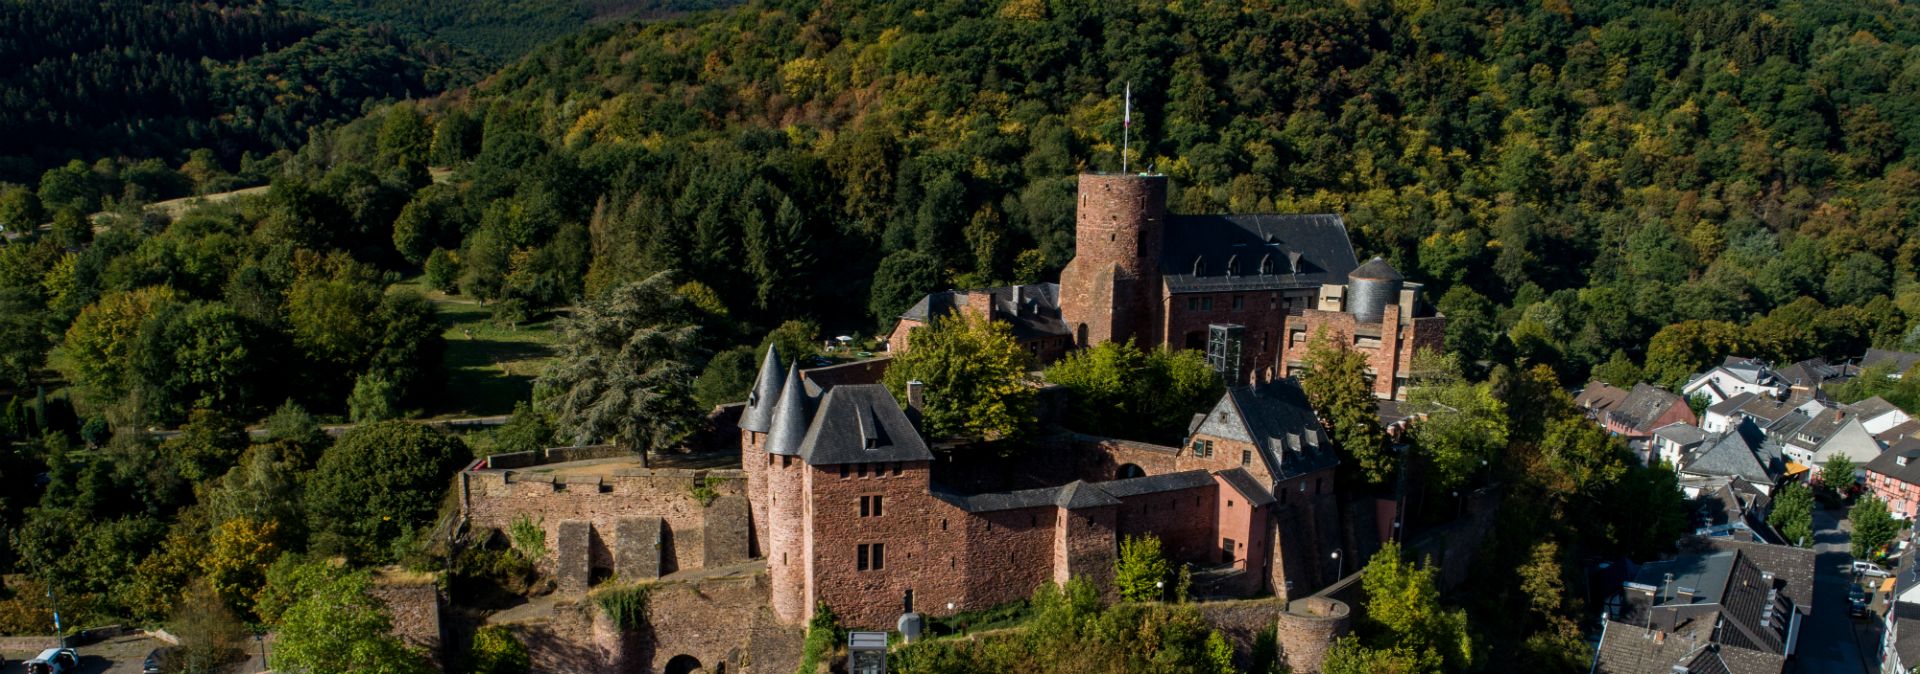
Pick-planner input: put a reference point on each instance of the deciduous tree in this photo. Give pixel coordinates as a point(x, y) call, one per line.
point(1336, 384)
point(974, 374)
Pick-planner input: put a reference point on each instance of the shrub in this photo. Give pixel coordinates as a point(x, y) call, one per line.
point(496, 651)
point(823, 636)
point(625, 605)
point(529, 538)
point(704, 490)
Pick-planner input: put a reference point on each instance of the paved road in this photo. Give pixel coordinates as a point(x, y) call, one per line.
point(1830, 642)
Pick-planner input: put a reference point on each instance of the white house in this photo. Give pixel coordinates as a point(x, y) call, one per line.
point(1731, 378)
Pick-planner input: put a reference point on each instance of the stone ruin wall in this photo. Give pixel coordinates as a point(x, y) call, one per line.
point(654, 504)
point(415, 608)
point(720, 622)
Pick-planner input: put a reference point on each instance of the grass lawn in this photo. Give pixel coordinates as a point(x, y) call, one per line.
point(489, 366)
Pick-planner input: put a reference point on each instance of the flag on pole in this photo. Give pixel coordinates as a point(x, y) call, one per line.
point(1127, 117)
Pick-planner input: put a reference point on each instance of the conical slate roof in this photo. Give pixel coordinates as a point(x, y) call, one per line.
point(758, 416)
point(1376, 269)
point(790, 417)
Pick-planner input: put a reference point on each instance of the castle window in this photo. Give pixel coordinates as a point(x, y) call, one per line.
point(871, 557)
point(1203, 448)
point(871, 506)
point(1193, 304)
point(1239, 302)
point(1229, 503)
point(1246, 458)
point(1199, 266)
point(1233, 265)
point(943, 524)
point(863, 470)
point(896, 468)
point(844, 470)
point(1206, 304)
point(1266, 265)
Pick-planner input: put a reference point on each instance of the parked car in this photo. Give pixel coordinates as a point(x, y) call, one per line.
point(55, 661)
point(159, 661)
point(1856, 602)
point(1866, 568)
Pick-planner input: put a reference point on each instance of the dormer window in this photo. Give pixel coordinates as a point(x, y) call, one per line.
point(1266, 265)
point(1199, 266)
point(1900, 460)
point(1233, 266)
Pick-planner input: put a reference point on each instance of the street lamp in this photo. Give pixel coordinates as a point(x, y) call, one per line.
point(261, 640)
point(1338, 566)
point(1160, 588)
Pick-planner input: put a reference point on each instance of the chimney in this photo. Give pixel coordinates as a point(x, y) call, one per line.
point(1683, 595)
point(1019, 301)
point(916, 396)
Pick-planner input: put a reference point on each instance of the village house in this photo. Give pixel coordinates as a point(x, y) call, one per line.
point(1720, 606)
point(1896, 363)
point(1894, 477)
point(1733, 377)
point(1829, 432)
point(1636, 413)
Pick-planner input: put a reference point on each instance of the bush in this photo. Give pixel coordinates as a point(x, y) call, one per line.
point(443, 271)
point(496, 651)
point(823, 636)
point(625, 605)
point(529, 538)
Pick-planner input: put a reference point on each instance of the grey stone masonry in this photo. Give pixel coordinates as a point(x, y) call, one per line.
point(726, 529)
point(637, 555)
point(571, 542)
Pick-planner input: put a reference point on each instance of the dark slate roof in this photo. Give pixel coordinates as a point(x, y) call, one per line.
point(1873, 407)
point(1376, 269)
point(1153, 484)
point(1032, 310)
point(790, 416)
point(1896, 361)
point(861, 423)
point(1906, 643)
point(1889, 463)
point(819, 379)
point(1900, 432)
point(1732, 404)
point(1078, 494)
point(1735, 614)
point(758, 416)
point(1731, 454)
point(1818, 428)
point(1644, 404)
point(1303, 251)
point(1276, 418)
point(1681, 433)
point(1241, 481)
point(1810, 373)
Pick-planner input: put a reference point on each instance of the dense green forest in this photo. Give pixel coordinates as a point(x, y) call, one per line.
point(1618, 189)
point(500, 30)
point(143, 79)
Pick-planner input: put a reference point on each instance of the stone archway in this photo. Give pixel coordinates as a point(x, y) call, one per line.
point(1129, 471)
point(684, 664)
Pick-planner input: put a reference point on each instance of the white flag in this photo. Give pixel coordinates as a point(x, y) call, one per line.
point(1127, 119)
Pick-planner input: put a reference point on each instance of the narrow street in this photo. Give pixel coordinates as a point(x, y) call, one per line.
point(1833, 642)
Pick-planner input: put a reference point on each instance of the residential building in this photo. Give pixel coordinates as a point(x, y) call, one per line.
point(1720, 606)
point(1736, 454)
point(1827, 433)
point(1734, 376)
point(1896, 363)
point(1894, 477)
point(1809, 375)
point(1675, 440)
point(1878, 415)
point(1636, 413)
point(1730, 509)
point(1033, 312)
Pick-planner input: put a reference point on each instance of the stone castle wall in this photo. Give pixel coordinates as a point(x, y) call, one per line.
point(1112, 284)
point(415, 609)
point(494, 499)
point(1308, 628)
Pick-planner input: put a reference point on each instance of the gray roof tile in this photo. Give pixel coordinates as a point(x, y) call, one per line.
point(861, 423)
point(790, 416)
point(1304, 251)
point(758, 416)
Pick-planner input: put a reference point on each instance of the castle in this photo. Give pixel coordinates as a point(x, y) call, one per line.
point(1251, 290)
point(853, 514)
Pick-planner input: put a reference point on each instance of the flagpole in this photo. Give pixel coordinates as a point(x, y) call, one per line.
point(1126, 127)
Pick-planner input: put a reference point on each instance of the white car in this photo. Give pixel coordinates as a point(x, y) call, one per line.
point(1866, 568)
point(55, 661)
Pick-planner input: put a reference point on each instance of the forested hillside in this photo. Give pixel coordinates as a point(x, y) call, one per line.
point(1567, 179)
point(500, 29)
point(141, 79)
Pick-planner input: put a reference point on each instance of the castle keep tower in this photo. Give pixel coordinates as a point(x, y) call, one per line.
point(1111, 289)
point(755, 421)
point(786, 513)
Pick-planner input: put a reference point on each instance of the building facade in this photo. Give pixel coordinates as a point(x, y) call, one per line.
point(1252, 290)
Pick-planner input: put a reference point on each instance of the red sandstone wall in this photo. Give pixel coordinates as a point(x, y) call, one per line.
point(1003, 555)
point(1112, 284)
point(1393, 357)
point(1185, 521)
point(753, 461)
point(908, 525)
point(415, 608)
point(897, 340)
point(493, 501)
point(1263, 313)
point(787, 530)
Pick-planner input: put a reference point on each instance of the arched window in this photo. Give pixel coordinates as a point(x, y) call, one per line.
point(1199, 266)
point(1266, 265)
point(1233, 265)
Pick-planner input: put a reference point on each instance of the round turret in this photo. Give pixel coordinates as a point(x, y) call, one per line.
point(1371, 288)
